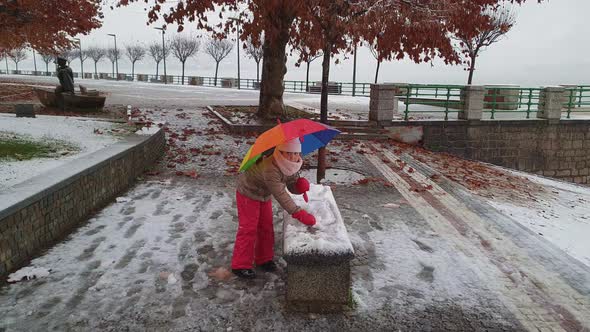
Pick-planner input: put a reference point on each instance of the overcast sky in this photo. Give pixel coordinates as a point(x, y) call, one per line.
point(548, 45)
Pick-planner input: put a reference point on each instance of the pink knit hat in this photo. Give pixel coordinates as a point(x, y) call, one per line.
point(290, 146)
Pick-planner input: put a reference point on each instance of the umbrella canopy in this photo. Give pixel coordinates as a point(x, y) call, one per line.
point(313, 135)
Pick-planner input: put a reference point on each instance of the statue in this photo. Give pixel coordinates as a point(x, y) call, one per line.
point(65, 76)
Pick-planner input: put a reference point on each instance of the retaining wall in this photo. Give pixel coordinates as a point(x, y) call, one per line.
point(555, 149)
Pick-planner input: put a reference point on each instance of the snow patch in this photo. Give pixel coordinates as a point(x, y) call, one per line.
point(328, 236)
point(562, 215)
point(122, 199)
point(28, 273)
point(147, 131)
point(77, 131)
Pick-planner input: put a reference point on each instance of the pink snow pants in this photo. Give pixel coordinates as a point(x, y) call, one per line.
point(255, 238)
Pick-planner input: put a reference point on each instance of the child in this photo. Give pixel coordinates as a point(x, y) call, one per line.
point(269, 176)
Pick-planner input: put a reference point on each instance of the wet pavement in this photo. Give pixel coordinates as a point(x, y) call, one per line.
point(430, 256)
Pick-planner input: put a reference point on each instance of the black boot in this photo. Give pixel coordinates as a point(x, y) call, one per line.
point(244, 273)
point(269, 266)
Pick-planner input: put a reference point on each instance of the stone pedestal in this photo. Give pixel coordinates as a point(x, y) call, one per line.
point(551, 103)
point(382, 102)
point(24, 111)
point(318, 257)
point(320, 288)
point(472, 97)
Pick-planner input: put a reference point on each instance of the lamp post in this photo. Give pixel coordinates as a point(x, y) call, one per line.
point(163, 54)
point(81, 60)
point(116, 54)
point(354, 73)
point(238, 46)
point(34, 61)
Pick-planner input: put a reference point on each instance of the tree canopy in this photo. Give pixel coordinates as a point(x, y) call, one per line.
point(417, 29)
point(46, 26)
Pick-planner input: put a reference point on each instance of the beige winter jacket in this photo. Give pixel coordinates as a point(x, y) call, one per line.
point(264, 179)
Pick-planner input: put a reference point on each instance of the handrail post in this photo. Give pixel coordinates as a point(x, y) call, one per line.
point(550, 103)
point(472, 97)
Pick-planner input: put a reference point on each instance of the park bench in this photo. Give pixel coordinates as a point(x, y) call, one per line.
point(197, 80)
point(333, 88)
point(228, 82)
point(318, 257)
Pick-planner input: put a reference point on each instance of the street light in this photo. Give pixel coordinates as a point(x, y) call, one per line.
point(163, 54)
point(35, 61)
point(116, 54)
point(81, 61)
point(238, 40)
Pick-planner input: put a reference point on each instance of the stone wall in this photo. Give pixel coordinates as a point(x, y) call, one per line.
point(555, 149)
point(37, 213)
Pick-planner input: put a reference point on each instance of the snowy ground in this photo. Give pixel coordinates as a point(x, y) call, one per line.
point(562, 215)
point(435, 249)
point(82, 133)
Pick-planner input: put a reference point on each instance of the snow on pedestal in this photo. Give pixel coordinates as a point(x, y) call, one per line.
point(318, 257)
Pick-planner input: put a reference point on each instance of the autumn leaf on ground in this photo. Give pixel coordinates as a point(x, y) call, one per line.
point(220, 273)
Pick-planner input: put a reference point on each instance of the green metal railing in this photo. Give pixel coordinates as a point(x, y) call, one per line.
point(446, 97)
point(443, 99)
point(577, 99)
point(511, 100)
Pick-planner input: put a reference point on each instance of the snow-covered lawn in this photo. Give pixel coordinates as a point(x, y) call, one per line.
point(561, 215)
point(87, 135)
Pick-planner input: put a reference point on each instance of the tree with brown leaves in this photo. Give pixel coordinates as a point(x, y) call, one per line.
point(501, 20)
point(46, 26)
point(417, 29)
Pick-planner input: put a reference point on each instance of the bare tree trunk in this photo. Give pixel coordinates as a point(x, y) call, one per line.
point(257, 71)
point(183, 73)
point(216, 68)
point(133, 70)
point(471, 69)
point(157, 68)
point(113, 68)
point(16, 65)
point(377, 71)
point(321, 171)
point(95, 71)
point(273, 72)
point(307, 78)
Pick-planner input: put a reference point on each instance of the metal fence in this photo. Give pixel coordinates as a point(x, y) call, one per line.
point(434, 99)
point(511, 100)
point(444, 98)
point(334, 88)
point(577, 99)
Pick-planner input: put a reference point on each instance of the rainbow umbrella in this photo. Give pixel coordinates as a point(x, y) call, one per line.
point(313, 135)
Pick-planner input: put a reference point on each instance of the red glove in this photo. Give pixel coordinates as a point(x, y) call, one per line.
point(302, 186)
point(304, 217)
